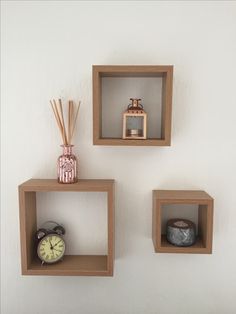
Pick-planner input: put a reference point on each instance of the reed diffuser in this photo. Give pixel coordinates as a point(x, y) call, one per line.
point(67, 164)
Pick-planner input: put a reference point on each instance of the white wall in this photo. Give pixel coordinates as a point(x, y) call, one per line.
point(48, 50)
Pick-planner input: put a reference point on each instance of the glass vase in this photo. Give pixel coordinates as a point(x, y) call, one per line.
point(67, 166)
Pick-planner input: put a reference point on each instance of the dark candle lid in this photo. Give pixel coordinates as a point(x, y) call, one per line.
point(180, 223)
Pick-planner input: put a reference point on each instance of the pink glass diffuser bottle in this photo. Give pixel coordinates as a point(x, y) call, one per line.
point(67, 166)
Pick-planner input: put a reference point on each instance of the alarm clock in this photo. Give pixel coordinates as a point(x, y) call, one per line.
point(50, 243)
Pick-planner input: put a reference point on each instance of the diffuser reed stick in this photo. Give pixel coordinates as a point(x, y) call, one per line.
point(72, 115)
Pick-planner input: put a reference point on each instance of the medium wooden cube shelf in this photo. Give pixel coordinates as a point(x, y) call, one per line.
point(160, 133)
point(205, 220)
point(75, 265)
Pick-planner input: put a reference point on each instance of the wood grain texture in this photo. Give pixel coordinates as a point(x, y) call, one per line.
point(131, 70)
point(120, 142)
point(72, 265)
point(154, 220)
point(179, 195)
point(88, 265)
point(166, 113)
point(90, 185)
point(97, 109)
point(111, 228)
point(163, 71)
point(205, 220)
point(205, 224)
point(28, 227)
point(166, 247)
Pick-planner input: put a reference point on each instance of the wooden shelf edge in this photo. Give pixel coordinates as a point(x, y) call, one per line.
point(33, 272)
point(121, 142)
point(181, 196)
point(83, 185)
point(73, 265)
point(197, 248)
point(114, 70)
point(69, 273)
point(189, 251)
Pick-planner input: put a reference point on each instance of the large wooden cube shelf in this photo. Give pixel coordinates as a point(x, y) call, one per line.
point(205, 220)
point(76, 265)
point(161, 113)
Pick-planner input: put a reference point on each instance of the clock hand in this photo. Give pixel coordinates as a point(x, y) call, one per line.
point(56, 243)
point(56, 250)
point(51, 247)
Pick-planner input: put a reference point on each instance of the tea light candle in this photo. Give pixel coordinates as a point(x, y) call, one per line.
point(181, 232)
point(134, 132)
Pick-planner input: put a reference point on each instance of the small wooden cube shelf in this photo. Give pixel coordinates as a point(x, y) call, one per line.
point(205, 220)
point(74, 265)
point(165, 72)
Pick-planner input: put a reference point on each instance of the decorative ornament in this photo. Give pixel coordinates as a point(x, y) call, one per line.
point(135, 121)
point(67, 168)
point(181, 232)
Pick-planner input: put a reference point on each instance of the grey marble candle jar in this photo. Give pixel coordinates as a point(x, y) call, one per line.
point(181, 232)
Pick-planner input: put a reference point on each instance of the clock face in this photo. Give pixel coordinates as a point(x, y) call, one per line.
point(51, 248)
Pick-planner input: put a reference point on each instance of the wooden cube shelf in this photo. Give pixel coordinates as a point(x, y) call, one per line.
point(205, 220)
point(164, 72)
point(75, 265)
